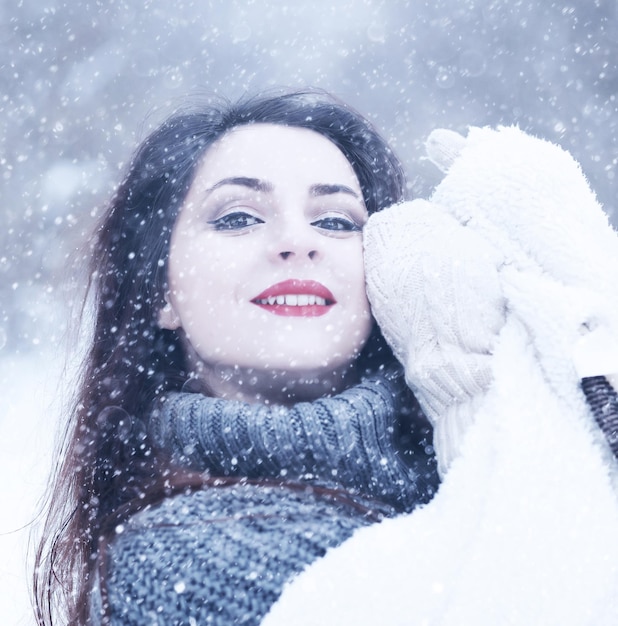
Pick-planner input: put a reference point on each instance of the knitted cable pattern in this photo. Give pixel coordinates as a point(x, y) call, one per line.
point(219, 556)
point(603, 402)
point(222, 555)
point(343, 441)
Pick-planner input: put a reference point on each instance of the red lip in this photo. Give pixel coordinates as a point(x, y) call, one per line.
point(296, 287)
point(305, 287)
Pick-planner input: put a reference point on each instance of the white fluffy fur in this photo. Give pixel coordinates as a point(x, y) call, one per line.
point(524, 528)
point(522, 531)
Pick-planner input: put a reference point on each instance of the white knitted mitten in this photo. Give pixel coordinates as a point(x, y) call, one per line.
point(513, 230)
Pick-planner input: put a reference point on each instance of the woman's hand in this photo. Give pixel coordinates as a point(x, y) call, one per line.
point(512, 232)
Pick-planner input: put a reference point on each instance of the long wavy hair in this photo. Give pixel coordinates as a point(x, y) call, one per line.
point(107, 463)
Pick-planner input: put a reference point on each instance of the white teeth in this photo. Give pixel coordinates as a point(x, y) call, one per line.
point(293, 300)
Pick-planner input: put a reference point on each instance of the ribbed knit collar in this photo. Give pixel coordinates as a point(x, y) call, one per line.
point(345, 441)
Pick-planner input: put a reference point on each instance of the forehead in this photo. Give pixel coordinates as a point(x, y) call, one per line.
point(275, 153)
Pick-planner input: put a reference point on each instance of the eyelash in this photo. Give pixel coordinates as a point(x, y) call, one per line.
point(340, 224)
point(239, 220)
point(231, 221)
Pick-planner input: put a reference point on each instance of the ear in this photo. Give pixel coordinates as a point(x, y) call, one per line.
point(168, 318)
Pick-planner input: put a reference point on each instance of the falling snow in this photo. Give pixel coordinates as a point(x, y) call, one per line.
point(83, 82)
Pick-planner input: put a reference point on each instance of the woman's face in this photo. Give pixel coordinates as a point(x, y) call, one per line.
point(265, 270)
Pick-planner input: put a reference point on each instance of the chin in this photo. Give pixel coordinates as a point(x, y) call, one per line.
point(312, 364)
point(328, 355)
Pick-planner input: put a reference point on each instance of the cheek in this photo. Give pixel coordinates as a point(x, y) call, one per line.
point(358, 310)
point(208, 280)
point(352, 271)
point(362, 307)
point(363, 320)
point(197, 265)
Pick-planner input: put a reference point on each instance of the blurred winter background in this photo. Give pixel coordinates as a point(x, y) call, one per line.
point(83, 81)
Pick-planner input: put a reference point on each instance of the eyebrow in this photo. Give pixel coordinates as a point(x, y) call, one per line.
point(327, 190)
point(252, 183)
point(261, 185)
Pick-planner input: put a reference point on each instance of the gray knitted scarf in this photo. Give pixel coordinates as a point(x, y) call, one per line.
point(345, 441)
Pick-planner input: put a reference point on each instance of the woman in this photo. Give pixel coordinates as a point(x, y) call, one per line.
point(239, 412)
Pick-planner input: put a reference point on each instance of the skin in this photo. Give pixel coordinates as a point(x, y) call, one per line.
point(270, 204)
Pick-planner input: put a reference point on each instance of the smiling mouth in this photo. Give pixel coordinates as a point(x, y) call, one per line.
point(296, 298)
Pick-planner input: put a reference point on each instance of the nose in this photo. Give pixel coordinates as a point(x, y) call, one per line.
point(286, 254)
point(296, 240)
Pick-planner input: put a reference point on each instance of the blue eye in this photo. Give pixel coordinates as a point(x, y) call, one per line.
point(235, 221)
point(337, 224)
